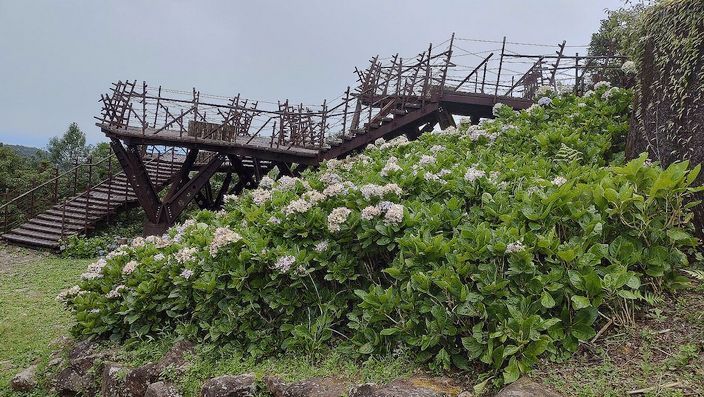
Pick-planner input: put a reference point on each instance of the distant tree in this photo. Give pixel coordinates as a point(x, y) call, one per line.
point(65, 150)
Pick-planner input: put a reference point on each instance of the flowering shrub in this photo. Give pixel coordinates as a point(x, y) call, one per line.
point(529, 228)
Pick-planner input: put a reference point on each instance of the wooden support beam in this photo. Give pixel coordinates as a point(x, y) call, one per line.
point(137, 175)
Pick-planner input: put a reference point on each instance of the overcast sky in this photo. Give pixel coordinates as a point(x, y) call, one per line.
point(57, 57)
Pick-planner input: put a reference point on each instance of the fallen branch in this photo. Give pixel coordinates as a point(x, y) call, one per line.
point(602, 330)
point(654, 388)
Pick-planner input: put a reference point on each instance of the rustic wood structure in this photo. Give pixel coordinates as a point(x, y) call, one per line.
point(243, 138)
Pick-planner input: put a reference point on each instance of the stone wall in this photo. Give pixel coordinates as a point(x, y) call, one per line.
point(668, 120)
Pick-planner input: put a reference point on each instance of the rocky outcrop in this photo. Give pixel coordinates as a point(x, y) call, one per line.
point(77, 378)
point(314, 387)
point(230, 386)
point(162, 389)
point(25, 380)
point(138, 380)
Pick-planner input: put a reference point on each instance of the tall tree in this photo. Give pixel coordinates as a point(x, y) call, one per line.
point(65, 150)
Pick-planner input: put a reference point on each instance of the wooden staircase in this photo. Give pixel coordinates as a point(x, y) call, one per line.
point(79, 214)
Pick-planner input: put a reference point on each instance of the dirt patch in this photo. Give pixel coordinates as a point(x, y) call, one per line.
point(12, 257)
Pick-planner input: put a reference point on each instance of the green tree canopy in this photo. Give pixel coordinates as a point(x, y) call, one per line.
point(65, 150)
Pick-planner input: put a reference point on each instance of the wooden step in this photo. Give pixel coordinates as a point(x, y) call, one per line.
point(74, 223)
point(53, 224)
point(43, 229)
point(22, 231)
point(30, 241)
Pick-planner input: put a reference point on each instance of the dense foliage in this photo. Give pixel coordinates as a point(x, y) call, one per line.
point(494, 244)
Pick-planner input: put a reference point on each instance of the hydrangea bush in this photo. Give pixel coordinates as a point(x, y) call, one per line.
point(483, 245)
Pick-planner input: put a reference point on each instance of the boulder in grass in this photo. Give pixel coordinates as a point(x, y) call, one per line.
point(230, 386)
point(25, 380)
point(162, 389)
point(525, 387)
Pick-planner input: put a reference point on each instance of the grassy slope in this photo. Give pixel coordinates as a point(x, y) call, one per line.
point(30, 317)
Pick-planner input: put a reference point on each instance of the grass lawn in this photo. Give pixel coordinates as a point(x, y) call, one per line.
point(30, 317)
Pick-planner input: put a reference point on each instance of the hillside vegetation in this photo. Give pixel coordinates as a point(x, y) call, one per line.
point(483, 246)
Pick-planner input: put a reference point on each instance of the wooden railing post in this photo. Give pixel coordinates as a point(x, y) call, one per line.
point(7, 209)
point(110, 181)
point(501, 63)
point(56, 184)
point(87, 193)
point(75, 176)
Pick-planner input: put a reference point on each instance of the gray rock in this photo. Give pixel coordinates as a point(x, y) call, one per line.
point(25, 380)
point(525, 387)
point(230, 386)
point(113, 381)
point(70, 382)
point(315, 387)
point(138, 379)
point(162, 389)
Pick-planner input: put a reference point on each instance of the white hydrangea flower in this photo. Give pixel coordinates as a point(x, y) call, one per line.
point(94, 270)
point(229, 198)
point(185, 255)
point(629, 67)
point(370, 212)
point(473, 174)
point(544, 101)
point(559, 181)
point(497, 108)
point(266, 182)
point(334, 190)
point(222, 237)
point(425, 160)
point(274, 220)
point(186, 273)
point(337, 217)
point(286, 183)
point(321, 246)
point(588, 93)
point(394, 214)
point(607, 94)
point(602, 84)
point(474, 133)
point(115, 292)
point(284, 263)
point(314, 196)
point(159, 257)
point(69, 293)
point(129, 267)
point(391, 166)
point(465, 120)
point(379, 142)
point(299, 206)
point(138, 242)
point(260, 196)
point(330, 178)
point(515, 247)
point(437, 148)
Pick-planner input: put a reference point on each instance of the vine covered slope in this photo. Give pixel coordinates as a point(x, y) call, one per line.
point(485, 245)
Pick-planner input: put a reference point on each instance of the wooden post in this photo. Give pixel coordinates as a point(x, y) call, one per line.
point(75, 176)
point(56, 185)
point(344, 116)
point(576, 73)
point(90, 180)
point(7, 208)
point(107, 218)
point(501, 63)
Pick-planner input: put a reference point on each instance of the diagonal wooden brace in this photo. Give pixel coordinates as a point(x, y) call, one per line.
point(136, 172)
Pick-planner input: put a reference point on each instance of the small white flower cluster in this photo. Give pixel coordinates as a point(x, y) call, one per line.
point(533, 108)
point(391, 166)
point(474, 133)
point(602, 84)
point(138, 242)
point(284, 263)
point(186, 273)
point(394, 214)
point(274, 220)
point(260, 196)
point(120, 251)
point(396, 142)
point(465, 120)
point(115, 292)
point(515, 247)
point(543, 91)
point(608, 93)
point(559, 181)
point(335, 189)
point(544, 101)
point(229, 198)
point(473, 174)
point(67, 294)
point(363, 158)
point(129, 267)
point(321, 246)
point(159, 257)
point(337, 217)
point(314, 196)
point(185, 255)
point(447, 131)
point(95, 270)
point(371, 190)
point(330, 178)
point(629, 67)
point(437, 149)
point(497, 108)
point(266, 182)
point(299, 206)
point(426, 160)
point(437, 177)
point(588, 94)
point(222, 237)
point(370, 212)
point(286, 183)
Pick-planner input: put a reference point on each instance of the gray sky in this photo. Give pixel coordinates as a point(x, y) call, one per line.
point(57, 57)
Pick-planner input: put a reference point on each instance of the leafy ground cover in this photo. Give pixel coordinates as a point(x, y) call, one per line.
point(475, 248)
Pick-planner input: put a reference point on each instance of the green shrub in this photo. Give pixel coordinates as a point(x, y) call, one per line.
point(473, 245)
